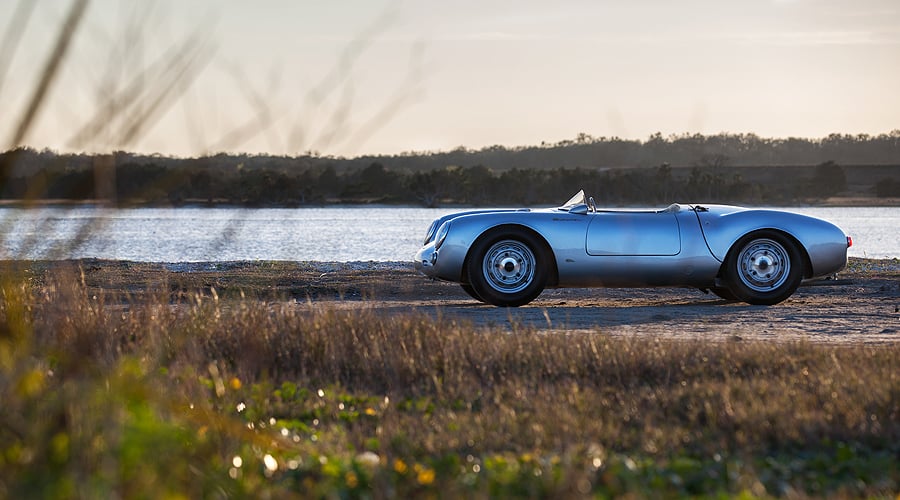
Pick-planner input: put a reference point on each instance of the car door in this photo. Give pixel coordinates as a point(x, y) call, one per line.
point(633, 233)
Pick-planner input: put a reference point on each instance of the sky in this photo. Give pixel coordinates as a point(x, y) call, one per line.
point(355, 77)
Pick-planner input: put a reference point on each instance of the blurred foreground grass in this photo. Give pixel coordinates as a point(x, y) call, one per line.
point(210, 396)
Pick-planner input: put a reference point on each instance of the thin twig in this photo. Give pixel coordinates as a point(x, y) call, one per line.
point(51, 69)
point(14, 31)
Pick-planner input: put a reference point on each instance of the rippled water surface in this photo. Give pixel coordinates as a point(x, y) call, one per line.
point(323, 234)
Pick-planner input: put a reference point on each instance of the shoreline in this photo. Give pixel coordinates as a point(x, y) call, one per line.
point(884, 264)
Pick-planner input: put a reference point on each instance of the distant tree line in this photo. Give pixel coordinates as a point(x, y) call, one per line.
point(721, 168)
point(676, 150)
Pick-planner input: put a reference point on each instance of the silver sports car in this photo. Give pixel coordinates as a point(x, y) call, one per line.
point(508, 257)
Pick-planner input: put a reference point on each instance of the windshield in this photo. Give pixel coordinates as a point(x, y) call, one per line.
point(574, 201)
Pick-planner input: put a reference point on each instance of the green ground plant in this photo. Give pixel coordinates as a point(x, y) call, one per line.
point(206, 396)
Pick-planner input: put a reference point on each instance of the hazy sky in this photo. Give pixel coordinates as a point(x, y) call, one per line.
point(369, 76)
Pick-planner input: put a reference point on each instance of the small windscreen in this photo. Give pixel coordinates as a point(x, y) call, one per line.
point(574, 201)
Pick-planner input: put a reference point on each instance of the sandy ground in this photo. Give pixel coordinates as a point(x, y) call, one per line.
point(862, 305)
point(846, 310)
point(856, 307)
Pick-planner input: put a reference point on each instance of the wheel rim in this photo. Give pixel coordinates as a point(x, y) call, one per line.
point(764, 265)
point(509, 266)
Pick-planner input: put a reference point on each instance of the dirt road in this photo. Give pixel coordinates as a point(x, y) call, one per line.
point(861, 306)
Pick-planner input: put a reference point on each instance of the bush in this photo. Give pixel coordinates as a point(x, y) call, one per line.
point(887, 188)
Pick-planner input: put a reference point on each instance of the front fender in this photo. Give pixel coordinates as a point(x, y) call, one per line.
point(562, 232)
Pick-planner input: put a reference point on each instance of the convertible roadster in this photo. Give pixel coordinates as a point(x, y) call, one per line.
point(507, 257)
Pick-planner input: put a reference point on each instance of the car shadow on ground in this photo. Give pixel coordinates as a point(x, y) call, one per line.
point(580, 316)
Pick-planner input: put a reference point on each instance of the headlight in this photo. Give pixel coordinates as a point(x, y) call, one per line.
point(430, 232)
point(441, 235)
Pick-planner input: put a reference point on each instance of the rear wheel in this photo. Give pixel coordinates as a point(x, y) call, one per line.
point(763, 268)
point(508, 268)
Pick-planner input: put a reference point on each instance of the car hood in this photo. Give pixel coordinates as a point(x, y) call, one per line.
point(437, 222)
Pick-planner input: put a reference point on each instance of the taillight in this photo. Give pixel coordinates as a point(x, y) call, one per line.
point(849, 242)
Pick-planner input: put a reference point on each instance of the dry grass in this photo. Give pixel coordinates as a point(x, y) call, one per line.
point(95, 392)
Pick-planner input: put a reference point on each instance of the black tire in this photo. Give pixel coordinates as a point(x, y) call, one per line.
point(508, 267)
point(471, 291)
point(724, 293)
point(763, 268)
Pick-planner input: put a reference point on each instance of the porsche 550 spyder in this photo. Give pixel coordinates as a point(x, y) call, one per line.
point(508, 257)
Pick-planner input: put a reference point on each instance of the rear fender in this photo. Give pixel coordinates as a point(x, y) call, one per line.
point(822, 244)
point(807, 263)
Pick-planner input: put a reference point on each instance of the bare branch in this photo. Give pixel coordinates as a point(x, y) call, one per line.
point(117, 105)
point(260, 122)
point(51, 69)
point(14, 35)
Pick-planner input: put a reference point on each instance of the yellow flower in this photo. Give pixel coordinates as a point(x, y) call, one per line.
point(235, 383)
point(425, 477)
point(370, 412)
point(31, 383)
point(400, 466)
point(351, 479)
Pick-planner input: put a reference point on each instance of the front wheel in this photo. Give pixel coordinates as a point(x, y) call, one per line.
point(508, 268)
point(471, 291)
point(764, 268)
point(723, 293)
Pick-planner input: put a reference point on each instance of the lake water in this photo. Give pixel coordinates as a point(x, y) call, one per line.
point(342, 234)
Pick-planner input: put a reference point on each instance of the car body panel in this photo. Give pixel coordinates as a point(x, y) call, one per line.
point(633, 233)
point(682, 245)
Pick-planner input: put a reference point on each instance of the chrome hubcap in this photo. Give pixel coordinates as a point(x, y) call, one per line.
point(509, 266)
point(764, 265)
